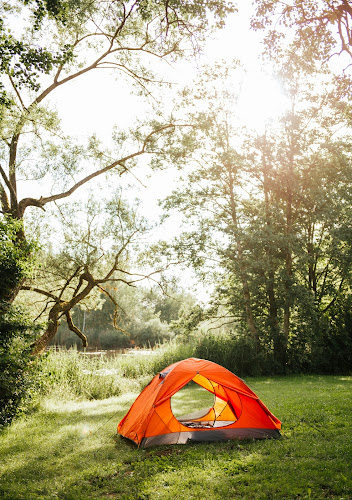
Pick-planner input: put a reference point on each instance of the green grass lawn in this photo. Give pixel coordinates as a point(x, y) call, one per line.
point(69, 450)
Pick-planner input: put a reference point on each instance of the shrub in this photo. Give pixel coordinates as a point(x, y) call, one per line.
point(18, 368)
point(234, 352)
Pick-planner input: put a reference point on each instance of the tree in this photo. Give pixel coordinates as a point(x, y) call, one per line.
point(169, 303)
point(271, 210)
point(137, 315)
point(61, 42)
point(211, 198)
point(94, 258)
point(112, 35)
point(103, 31)
point(304, 172)
point(321, 29)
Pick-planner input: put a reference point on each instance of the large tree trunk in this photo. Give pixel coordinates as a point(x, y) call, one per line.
point(270, 279)
point(60, 308)
point(242, 267)
point(312, 262)
point(281, 351)
point(44, 340)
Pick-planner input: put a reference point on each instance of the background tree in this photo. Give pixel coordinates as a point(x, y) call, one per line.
point(214, 177)
point(270, 210)
point(60, 42)
point(143, 317)
point(320, 29)
point(95, 257)
point(84, 37)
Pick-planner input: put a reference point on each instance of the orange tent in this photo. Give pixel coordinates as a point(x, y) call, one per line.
point(237, 413)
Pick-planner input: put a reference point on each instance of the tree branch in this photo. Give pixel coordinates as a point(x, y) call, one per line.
point(75, 330)
point(42, 292)
point(26, 202)
point(8, 184)
point(5, 205)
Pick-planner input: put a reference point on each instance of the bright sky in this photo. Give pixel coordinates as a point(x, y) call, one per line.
point(101, 102)
point(97, 101)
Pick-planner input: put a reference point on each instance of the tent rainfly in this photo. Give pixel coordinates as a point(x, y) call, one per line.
point(237, 413)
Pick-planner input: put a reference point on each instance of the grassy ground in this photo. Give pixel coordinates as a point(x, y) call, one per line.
point(69, 450)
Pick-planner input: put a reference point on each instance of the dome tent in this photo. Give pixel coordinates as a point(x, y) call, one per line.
point(237, 413)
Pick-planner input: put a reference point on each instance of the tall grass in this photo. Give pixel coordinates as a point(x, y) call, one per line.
point(71, 374)
point(147, 366)
point(236, 353)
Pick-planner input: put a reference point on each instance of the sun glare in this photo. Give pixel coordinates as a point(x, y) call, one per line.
point(261, 101)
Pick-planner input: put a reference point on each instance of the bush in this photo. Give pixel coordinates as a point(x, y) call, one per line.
point(18, 368)
point(15, 259)
point(149, 332)
point(235, 352)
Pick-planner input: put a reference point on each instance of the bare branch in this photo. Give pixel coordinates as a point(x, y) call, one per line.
point(26, 202)
point(75, 330)
point(117, 306)
point(41, 291)
point(17, 93)
point(8, 183)
point(68, 281)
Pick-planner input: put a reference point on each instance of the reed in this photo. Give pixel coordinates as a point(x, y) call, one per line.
point(72, 374)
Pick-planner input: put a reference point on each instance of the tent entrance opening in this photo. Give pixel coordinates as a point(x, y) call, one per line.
point(198, 408)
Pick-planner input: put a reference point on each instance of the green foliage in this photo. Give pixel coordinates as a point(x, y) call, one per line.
point(236, 353)
point(316, 29)
point(81, 375)
point(273, 213)
point(23, 62)
point(168, 306)
point(18, 368)
point(140, 317)
point(188, 321)
point(174, 9)
point(332, 351)
point(58, 9)
point(326, 349)
point(15, 256)
point(17, 332)
point(311, 461)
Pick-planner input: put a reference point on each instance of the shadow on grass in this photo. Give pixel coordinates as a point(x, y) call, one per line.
point(70, 451)
point(58, 446)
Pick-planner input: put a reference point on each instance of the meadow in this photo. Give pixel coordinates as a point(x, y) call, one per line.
point(67, 447)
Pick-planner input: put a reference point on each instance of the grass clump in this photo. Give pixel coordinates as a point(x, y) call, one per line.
point(71, 374)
